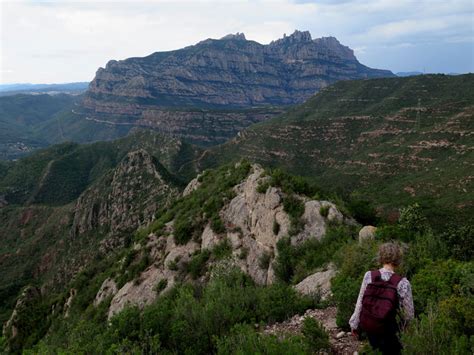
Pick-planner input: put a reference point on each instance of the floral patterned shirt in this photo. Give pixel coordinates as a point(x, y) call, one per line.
point(404, 294)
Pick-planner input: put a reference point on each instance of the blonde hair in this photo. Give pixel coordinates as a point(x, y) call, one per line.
point(390, 253)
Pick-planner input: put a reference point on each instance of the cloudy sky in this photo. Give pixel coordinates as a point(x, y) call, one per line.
point(65, 41)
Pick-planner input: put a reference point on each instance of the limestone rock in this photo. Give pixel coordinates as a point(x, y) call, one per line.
point(107, 289)
point(126, 199)
point(193, 185)
point(367, 232)
point(209, 239)
point(68, 303)
point(220, 73)
point(318, 282)
point(140, 292)
point(13, 328)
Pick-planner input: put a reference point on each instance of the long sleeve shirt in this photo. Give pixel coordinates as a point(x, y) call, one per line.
point(404, 294)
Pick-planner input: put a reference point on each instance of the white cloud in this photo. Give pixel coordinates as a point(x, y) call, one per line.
point(61, 41)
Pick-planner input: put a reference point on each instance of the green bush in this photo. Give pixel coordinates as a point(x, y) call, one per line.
point(222, 250)
point(293, 263)
point(440, 280)
point(363, 211)
point(460, 242)
point(433, 333)
point(243, 339)
point(197, 266)
point(160, 286)
point(324, 211)
point(294, 207)
point(315, 335)
point(264, 260)
point(412, 219)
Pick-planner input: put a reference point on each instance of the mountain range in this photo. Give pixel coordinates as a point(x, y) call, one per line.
point(222, 179)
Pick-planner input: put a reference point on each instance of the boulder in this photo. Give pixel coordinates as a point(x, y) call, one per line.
point(318, 282)
point(107, 289)
point(367, 232)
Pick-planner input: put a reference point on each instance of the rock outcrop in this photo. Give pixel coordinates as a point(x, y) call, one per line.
point(125, 199)
point(188, 92)
point(231, 71)
point(14, 329)
point(249, 218)
point(318, 283)
point(367, 232)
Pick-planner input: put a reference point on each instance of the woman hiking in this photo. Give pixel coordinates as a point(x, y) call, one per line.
point(384, 295)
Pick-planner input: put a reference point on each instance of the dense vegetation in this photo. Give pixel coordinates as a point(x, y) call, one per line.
point(373, 140)
point(41, 191)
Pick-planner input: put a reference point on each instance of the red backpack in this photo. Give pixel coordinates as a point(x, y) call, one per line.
point(380, 304)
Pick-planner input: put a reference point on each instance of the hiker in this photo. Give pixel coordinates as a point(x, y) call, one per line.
point(384, 295)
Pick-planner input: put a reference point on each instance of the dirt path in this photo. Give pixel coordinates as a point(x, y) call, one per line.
point(341, 342)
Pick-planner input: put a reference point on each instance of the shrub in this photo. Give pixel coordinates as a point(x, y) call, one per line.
point(433, 334)
point(294, 207)
point(264, 260)
point(222, 250)
point(363, 211)
point(294, 263)
point(244, 252)
point(315, 335)
point(198, 264)
point(324, 211)
point(460, 242)
point(440, 280)
point(243, 339)
point(412, 219)
point(161, 285)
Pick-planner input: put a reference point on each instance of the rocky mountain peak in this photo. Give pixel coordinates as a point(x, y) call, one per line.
point(236, 36)
point(295, 37)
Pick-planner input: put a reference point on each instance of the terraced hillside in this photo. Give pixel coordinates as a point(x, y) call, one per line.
point(393, 140)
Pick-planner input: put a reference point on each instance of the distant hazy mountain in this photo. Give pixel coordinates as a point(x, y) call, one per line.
point(408, 73)
point(11, 89)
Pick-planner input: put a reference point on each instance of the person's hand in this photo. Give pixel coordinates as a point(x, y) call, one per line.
point(354, 333)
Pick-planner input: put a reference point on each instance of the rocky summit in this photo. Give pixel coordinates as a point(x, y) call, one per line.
point(199, 92)
point(231, 71)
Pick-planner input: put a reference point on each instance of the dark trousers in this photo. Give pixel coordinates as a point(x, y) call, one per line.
point(387, 344)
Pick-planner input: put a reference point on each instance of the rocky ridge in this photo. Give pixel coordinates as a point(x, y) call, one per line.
point(249, 220)
point(190, 91)
point(126, 198)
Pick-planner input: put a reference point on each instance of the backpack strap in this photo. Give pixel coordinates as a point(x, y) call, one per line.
point(395, 280)
point(375, 275)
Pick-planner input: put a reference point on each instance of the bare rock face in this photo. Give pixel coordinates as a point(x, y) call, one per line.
point(254, 223)
point(319, 282)
point(230, 72)
point(255, 215)
point(124, 200)
point(367, 232)
point(140, 292)
point(68, 303)
point(107, 289)
point(192, 185)
point(144, 290)
point(12, 329)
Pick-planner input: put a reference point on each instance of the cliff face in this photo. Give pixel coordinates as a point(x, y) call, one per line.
point(231, 71)
point(249, 234)
point(125, 199)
